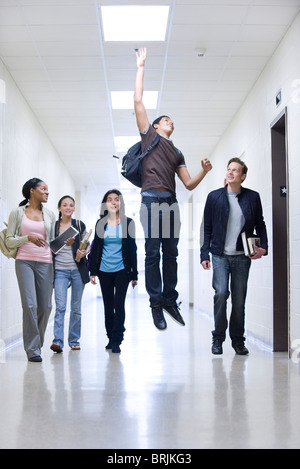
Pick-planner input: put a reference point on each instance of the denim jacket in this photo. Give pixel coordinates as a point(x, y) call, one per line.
point(216, 213)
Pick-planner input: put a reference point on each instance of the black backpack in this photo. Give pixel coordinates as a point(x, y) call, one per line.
point(132, 161)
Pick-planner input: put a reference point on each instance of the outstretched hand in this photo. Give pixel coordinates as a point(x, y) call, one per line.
point(206, 165)
point(141, 57)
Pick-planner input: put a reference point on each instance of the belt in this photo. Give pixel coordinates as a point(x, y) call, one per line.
point(146, 199)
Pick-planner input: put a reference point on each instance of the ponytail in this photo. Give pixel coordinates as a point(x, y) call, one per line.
point(31, 184)
point(24, 202)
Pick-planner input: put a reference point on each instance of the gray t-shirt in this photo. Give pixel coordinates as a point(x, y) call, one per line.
point(236, 221)
point(64, 260)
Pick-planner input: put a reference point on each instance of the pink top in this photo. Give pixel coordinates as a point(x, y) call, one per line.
point(29, 251)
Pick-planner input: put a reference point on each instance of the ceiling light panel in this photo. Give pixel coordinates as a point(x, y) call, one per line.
point(124, 99)
point(134, 22)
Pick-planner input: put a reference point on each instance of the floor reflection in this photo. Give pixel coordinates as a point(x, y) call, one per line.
point(165, 390)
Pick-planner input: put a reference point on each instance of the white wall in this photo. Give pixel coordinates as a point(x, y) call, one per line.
point(249, 137)
point(25, 152)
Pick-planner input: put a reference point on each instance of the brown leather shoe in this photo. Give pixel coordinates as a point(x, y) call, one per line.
point(56, 348)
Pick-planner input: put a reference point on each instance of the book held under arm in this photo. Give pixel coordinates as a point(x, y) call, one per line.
point(250, 243)
point(83, 244)
point(58, 243)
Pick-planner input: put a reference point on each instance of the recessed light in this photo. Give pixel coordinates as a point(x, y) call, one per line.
point(134, 22)
point(124, 99)
point(2, 92)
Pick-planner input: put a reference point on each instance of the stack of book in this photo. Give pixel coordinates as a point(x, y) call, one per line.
point(250, 243)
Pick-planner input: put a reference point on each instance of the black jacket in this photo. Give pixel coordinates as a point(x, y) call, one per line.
point(215, 220)
point(82, 264)
point(129, 249)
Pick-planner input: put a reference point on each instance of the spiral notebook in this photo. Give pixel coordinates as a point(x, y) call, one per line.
point(58, 243)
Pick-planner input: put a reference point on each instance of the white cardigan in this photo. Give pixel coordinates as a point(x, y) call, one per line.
point(13, 234)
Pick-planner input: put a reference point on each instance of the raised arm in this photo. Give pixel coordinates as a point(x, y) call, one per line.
point(140, 111)
point(192, 182)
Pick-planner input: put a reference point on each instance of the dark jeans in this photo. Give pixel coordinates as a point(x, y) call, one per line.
point(160, 219)
point(114, 287)
point(237, 268)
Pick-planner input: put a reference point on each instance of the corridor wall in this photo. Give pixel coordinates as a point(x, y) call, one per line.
point(25, 152)
point(249, 137)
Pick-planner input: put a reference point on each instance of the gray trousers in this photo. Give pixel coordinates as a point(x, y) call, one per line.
point(36, 287)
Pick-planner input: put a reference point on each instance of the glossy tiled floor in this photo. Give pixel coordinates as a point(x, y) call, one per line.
point(164, 391)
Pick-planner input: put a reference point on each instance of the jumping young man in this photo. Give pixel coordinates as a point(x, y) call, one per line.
point(159, 213)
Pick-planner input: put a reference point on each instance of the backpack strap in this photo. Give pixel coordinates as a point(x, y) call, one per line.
point(151, 146)
point(154, 143)
point(78, 223)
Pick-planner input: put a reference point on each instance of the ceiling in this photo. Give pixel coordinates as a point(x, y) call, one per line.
point(55, 51)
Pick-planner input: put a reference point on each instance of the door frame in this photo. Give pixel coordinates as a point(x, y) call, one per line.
point(281, 319)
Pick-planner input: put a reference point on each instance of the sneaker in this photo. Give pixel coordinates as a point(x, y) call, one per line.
point(240, 349)
point(36, 359)
point(158, 318)
point(75, 347)
point(217, 348)
point(115, 348)
point(173, 310)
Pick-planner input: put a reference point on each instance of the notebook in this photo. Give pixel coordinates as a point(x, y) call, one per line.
point(58, 243)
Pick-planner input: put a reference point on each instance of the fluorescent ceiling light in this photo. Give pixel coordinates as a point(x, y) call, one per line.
point(122, 144)
point(134, 22)
point(124, 99)
point(2, 92)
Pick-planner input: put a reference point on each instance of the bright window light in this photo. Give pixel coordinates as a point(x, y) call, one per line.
point(123, 143)
point(124, 99)
point(134, 22)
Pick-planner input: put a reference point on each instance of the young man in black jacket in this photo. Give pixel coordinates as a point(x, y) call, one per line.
point(159, 210)
point(228, 212)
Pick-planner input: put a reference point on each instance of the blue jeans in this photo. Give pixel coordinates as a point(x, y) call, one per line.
point(61, 282)
point(237, 269)
point(160, 219)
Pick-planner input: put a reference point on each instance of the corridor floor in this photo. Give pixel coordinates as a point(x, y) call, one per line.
point(164, 391)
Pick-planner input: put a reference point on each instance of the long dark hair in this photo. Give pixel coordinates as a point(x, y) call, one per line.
point(104, 211)
point(31, 184)
point(100, 226)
